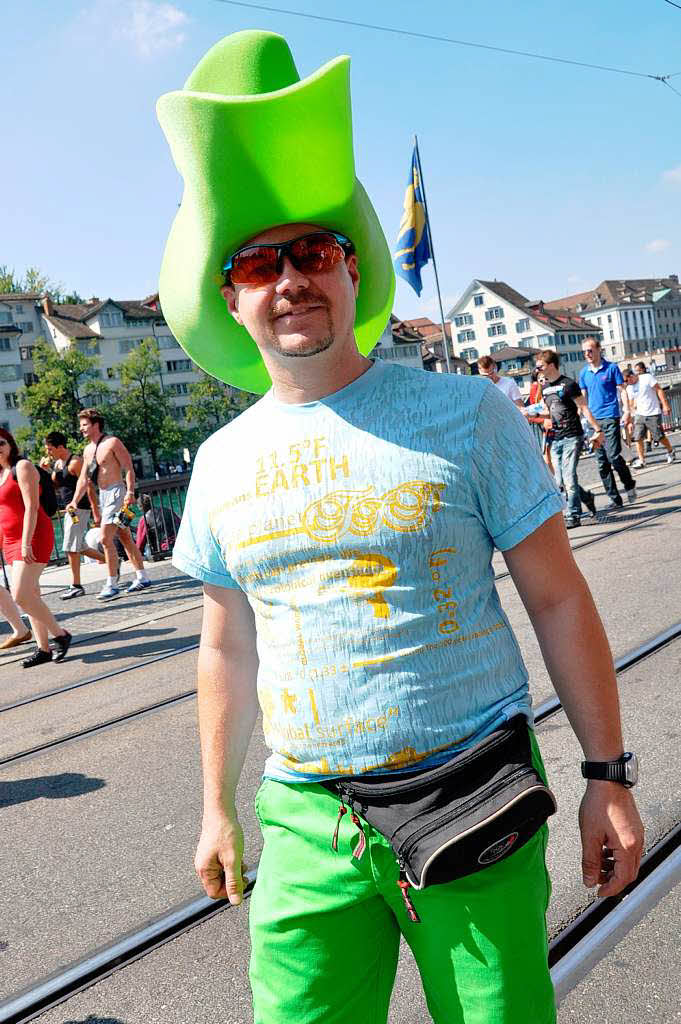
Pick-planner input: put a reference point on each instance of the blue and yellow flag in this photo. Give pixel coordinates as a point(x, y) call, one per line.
point(412, 250)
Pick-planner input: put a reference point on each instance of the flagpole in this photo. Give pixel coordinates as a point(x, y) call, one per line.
point(432, 253)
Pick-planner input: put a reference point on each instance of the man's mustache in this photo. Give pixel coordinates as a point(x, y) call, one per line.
point(307, 299)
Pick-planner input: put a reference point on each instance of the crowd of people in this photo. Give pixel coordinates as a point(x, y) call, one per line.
point(97, 486)
point(597, 413)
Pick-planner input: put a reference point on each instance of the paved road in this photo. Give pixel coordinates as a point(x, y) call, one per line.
point(106, 827)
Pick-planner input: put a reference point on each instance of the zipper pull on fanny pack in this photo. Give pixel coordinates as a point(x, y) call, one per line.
point(408, 905)
point(341, 811)
point(362, 843)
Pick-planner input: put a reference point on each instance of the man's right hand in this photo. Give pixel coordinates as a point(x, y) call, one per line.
point(219, 859)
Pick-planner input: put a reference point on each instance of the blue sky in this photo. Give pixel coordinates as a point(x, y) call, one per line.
point(546, 176)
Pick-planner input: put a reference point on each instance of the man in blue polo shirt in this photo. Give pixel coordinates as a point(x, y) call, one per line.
point(600, 380)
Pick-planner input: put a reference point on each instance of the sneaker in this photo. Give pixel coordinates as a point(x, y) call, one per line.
point(671, 457)
point(75, 590)
point(62, 644)
point(571, 522)
point(590, 503)
point(631, 495)
point(138, 585)
point(107, 593)
point(614, 506)
point(638, 464)
point(37, 658)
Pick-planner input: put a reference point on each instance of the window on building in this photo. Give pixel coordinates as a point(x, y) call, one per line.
point(469, 354)
point(167, 341)
point(9, 373)
point(112, 319)
point(478, 300)
point(19, 308)
point(178, 365)
point(128, 344)
point(6, 318)
point(527, 342)
point(495, 313)
point(465, 336)
point(462, 320)
point(11, 400)
point(89, 347)
point(522, 325)
point(497, 346)
point(612, 334)
point(26, 352)
point(545, 340)
point(5, 345)
point(25, 326)
point(111, 372)
point(30, 378)
point(496, 329)
point(598, 319)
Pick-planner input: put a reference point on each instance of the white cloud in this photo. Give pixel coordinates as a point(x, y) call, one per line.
point(673, 177)
point(657, 245)
point(147, 26)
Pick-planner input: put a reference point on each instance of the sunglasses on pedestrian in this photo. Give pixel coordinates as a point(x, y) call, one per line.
point(314, 253)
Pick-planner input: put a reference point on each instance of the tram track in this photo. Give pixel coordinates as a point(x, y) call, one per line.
point(605, 517)
point(572, 953)
point(544, 710)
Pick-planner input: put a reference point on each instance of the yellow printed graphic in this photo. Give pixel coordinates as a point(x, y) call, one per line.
point(375, 573)
point(405, 509)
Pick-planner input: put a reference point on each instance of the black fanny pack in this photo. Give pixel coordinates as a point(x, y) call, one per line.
point(456, 819)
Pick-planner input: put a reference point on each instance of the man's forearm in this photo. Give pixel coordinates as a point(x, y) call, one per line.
point(577, 655)
point(228, 708)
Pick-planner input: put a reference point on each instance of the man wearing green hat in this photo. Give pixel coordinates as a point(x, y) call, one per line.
point(344, 527)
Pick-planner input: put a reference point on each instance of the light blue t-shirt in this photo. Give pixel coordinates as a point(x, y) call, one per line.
point(361, 528)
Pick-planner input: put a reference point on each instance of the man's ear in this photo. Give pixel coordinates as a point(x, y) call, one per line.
point(353, 271)
point(229, 295)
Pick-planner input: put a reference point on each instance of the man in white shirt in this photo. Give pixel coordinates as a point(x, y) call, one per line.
point(488, 368)
point(650, 402)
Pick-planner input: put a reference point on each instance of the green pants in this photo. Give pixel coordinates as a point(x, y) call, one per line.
point(325, 927)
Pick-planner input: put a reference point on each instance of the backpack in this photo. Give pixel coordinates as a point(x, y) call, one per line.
point(48, 495)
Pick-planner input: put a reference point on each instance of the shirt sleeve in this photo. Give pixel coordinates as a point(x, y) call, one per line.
point(514, 392)
point(617, 374)
point(572, 389)
point(513, 489)
point(196, 550)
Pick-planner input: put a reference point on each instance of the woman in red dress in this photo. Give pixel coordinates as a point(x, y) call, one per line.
point(28, 539)
point(9, 610)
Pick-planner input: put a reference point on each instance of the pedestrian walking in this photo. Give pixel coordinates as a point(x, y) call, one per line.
point(105, 461)
point(487, 367)
point(564, 401)
point(600, 381)
point(649, 405)
point(343, 527)
point(28, 539)
point(536, 422)
point(65, 468)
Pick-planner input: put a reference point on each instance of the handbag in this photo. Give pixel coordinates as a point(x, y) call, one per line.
point(455, 819)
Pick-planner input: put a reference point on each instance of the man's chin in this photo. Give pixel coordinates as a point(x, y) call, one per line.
point(295, 345)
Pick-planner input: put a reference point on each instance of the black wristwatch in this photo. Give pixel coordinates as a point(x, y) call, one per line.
point(624, 770)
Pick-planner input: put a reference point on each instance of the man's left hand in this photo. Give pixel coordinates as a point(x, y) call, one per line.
point(612, 837)
point(129, 498)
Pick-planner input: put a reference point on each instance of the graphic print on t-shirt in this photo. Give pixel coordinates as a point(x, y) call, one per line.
point(364, 550)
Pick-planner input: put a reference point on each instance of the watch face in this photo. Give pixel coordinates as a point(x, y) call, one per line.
point(630, 765)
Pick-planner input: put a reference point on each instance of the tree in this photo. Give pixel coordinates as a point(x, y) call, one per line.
point(212, 404)
point(33, 281)
point(65, 380)
point(143, 407)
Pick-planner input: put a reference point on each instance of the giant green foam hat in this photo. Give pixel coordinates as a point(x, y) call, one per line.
point(258, 147)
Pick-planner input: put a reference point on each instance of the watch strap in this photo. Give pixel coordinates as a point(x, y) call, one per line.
point(609, 771)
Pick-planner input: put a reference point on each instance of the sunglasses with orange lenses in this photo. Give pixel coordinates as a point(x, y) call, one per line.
point(314, 253)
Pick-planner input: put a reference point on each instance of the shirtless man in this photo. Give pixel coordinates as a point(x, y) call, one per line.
point(65, 468)
point(105, 461)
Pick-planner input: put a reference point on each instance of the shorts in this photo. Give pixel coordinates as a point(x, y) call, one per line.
point(74, 533)
point(326, 927)
point(111, 502)
point(651, 423)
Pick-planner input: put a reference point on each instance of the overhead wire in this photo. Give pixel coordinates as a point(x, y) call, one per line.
point(454, 42)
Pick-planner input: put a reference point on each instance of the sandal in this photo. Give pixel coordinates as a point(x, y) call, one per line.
point(15, 641)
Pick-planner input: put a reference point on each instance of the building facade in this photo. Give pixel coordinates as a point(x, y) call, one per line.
point(640, 319)
point(492, 316)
